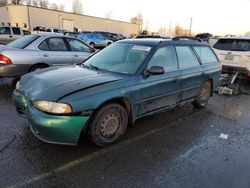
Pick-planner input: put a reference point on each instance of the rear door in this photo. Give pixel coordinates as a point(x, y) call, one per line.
point(233, 52)
point(191, 72)
point(54, 51)
point(79, 50)
point(160, 91)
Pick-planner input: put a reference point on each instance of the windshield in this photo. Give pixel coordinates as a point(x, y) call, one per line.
point(120, 58)
point(23, 42)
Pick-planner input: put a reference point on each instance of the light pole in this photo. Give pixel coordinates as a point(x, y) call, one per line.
point(190, 29)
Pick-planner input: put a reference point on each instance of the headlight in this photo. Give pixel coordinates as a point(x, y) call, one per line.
point(53, 107)
point(17, 86)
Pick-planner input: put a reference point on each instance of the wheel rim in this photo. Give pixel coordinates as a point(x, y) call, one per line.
point(110, 125)
point(204, 95)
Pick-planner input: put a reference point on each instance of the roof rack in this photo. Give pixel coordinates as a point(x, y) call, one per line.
point(187, 38)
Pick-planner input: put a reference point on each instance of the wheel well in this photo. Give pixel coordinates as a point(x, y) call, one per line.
point(38, 64)
point(124, 103)
point(212, 86)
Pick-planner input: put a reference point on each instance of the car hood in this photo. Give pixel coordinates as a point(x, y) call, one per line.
point(56, 82)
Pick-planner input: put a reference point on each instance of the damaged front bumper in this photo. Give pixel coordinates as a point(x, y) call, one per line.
point(56, 129)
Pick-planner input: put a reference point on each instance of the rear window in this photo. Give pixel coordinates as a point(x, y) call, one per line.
point(23, 42)
point(233, 44)
point(206, 55)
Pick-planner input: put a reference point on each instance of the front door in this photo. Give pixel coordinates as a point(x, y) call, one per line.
point(79, 50)
point(160, 91)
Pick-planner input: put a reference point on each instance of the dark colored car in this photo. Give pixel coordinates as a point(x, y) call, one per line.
point(128, 80)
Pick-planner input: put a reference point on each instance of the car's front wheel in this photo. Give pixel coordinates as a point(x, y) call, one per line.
point(108, 125)
point(202, 98)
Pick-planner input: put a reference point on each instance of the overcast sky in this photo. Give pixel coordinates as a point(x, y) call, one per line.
point(214, 16)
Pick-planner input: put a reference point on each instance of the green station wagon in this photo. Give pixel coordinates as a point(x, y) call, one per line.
point(128, 80)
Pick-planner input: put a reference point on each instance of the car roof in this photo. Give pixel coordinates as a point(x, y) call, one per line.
point(49, 35)
point(157, 41)
point(242, 37)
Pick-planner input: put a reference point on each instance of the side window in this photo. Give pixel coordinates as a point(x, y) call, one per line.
point(57, 44)
point(186, 57)
point(206, 55)
point(77, 46)
point(16, 31)
point(44, 46)
point(164, 57)
point(5, 31)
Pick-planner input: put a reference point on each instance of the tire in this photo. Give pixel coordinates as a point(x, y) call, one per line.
point(108, 43)
point(202, 98)
point(108, 125)
point(37, 67)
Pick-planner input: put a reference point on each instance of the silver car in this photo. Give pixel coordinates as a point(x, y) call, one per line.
point(34, 52)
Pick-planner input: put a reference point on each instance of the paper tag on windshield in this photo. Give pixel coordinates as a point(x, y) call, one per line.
point(142, 48)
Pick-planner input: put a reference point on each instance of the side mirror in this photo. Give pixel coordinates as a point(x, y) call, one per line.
point(154, 70)
point(93, 50)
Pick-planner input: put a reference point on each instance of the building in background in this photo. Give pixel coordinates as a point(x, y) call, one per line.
point(29, 17)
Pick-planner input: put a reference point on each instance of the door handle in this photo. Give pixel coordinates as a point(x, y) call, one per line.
point(75, 55)
point(10, 36)
point(45, 55)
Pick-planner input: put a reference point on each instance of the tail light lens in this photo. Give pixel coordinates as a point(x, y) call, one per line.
point(5, 60)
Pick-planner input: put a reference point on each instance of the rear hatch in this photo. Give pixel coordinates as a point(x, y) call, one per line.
point(233, 52)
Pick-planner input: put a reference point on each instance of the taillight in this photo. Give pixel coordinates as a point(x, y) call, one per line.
point(5, 60)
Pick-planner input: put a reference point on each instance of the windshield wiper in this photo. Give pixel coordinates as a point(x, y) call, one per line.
point(94, 67)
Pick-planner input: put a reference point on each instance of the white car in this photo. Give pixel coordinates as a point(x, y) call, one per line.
point(234, 54)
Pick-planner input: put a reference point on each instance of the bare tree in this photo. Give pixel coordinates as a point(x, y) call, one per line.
point(61, 7)
point(54, 6)
point(77, 7)
point(138, 20)
point(43, 3)
point(3, 2)
point(35, 3)
point(16, 2)
point(108, 14)
point(27, 2)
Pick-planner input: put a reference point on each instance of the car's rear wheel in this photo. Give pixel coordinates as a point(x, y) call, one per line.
point(37, 68)
point(108, 125)
point(202, 98)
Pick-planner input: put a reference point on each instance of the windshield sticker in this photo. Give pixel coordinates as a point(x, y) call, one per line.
point(142, 48)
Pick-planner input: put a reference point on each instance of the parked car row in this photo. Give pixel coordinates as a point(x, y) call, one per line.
point(34, 52)
point(129, 79)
